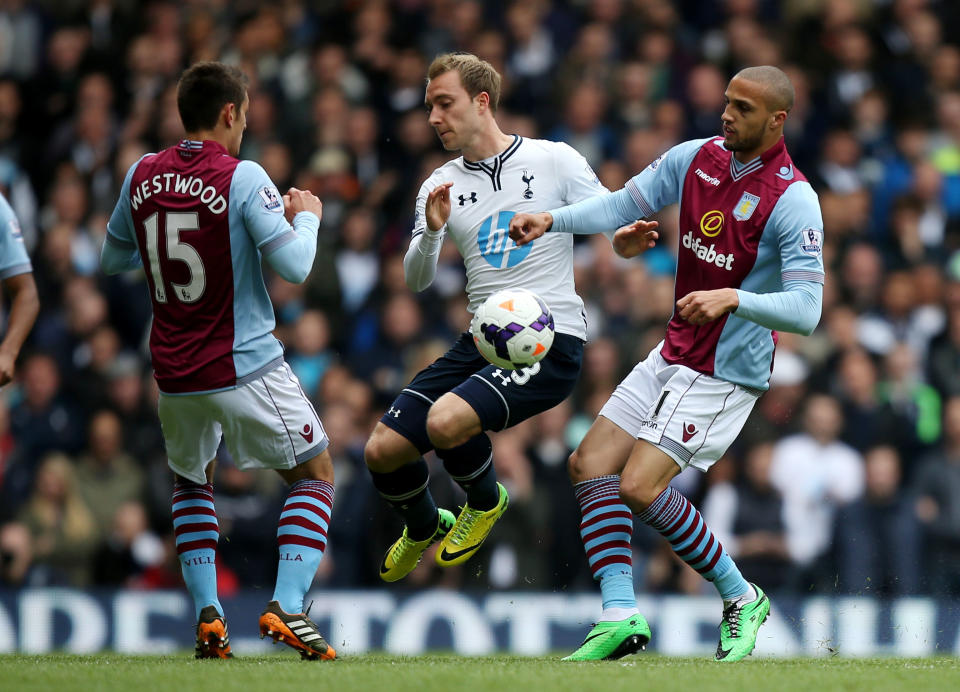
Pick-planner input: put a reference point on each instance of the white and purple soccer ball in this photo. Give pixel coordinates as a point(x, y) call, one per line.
point(513, 328)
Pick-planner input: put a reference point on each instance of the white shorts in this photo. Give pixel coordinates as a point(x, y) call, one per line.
point(268, 423)
point(692, 417)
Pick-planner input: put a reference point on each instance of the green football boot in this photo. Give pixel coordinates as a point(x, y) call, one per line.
point(738, 631)
point(405, 554)
point(608, 641)
point(468, 534)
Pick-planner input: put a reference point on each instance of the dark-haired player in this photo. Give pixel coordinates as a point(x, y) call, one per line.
point(200, 220)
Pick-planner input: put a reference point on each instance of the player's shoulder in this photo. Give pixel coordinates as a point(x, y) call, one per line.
point(683, 153)
point(710, 146)
point(448, 172)
point(142, 164)
point(800, 192)
point(547, 147)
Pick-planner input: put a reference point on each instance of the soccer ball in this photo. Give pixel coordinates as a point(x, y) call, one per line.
point(513, 328)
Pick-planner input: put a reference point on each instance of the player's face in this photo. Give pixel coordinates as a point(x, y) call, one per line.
point(239, 125)
point(746, 119)
point(451, 111)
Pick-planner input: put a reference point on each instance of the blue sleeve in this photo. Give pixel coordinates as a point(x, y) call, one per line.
point(596, 215)
point(260, 205)
point(795, 309)
point(120, 252)
point(294, 260)
point(13, 254)
point(655, 187)
point(798, 224)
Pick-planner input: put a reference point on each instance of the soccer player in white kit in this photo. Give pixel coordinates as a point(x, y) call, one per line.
point(750, 263)
point(449, 405)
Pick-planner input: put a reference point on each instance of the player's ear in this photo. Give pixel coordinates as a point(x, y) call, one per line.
point(777, 118)
point(229, 114)
point(483, 99)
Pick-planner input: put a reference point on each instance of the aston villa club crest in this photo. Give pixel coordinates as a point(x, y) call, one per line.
point(745, 207)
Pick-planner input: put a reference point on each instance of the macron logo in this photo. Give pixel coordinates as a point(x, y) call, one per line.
point(709, 178)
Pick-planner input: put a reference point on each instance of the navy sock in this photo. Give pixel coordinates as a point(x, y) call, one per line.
point(471, 466)
point(407, 492)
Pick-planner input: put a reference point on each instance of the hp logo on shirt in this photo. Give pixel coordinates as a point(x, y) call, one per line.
point(495, 245)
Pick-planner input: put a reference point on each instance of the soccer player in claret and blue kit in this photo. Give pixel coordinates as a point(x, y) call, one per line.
point(16, 273)
point(749, 264)
point(199, 221)
point(449, 406)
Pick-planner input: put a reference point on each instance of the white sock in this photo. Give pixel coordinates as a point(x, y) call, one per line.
point(615, 614)
point(749, 595)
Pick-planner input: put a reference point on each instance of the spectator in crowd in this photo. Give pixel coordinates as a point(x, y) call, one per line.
point(63, 529)
point(747, 516)
point(107, 477)
point(878, 536)
point(816, 474)
point(128, 548)
point(937, 507)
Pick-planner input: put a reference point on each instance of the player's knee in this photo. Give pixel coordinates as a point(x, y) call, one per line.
point(637, 491)
point(378, 455)
point(577, 467)
point(443, 428)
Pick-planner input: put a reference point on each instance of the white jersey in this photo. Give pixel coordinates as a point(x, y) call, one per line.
point(531, 175)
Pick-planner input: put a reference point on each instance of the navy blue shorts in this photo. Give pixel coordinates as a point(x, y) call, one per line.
point(500, 397)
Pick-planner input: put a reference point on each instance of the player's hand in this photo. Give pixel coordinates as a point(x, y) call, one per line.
point(296, 201)
point(437, 209)
point(7, 366)
point(701, 307)
point(635, 238)
point(525, 228)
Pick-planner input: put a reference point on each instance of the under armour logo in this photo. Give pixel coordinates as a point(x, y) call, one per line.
point(395, 412)
point(500, 376)
point(464, 198)
point(527, 178)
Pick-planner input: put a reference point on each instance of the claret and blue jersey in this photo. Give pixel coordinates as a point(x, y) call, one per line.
point(755, 227)
point(200, 220)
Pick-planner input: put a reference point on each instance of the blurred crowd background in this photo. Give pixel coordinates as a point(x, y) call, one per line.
point(846, 479)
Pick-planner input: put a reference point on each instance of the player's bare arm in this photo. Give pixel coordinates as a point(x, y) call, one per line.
point(24, 307)
point(437, 209)
point(296, 201)
point(635, 238)
point(525, 228)
point(700, 307)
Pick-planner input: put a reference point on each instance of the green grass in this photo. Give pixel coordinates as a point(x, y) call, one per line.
point(449, 673)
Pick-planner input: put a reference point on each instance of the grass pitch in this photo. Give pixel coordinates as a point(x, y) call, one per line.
point(449, 673)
